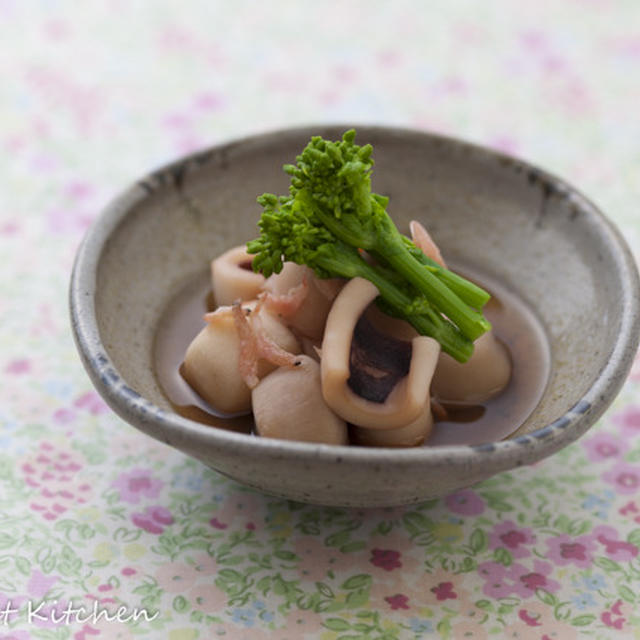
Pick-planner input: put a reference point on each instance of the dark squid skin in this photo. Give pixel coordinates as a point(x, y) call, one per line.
point(377, 361)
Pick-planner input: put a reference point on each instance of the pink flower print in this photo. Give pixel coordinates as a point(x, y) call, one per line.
point(444, 591)
point(153, 519)
point(618, 550)
point(19, 366)
point(398, 601)
point(177, 577)
point(537, 614)
point(208, 598)
point(64, 416)
point(39, 584)
point(53, 471)
point(630, 509)
point(629, 421)
point(216, 524)
point(531, 620)
point(536, 579)
point(564, 550)
point(616, 616)
point(513, 538)
point(135, 484)
point(91, 402)
point(210, 101)
point(501, 582)
point(604, 446)
point(16, 635)
point(85, 632)
point(387, 559)
point(624, 477)
point(465, 502)
point(316, 558)
point(78, 189)
point(497, 584)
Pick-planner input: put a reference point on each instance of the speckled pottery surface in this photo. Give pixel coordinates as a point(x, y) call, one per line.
point(534, 233)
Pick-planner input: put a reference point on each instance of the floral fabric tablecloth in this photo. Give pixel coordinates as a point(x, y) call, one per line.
point(107, 533)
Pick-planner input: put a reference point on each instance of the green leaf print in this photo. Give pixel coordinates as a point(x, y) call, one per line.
point(478, 541)
point(336, 624)
point(607, 564)
point(360, 581)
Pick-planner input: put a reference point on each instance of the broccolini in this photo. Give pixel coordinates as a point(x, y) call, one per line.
point(331, 217)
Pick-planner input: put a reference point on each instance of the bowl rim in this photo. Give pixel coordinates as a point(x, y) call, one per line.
point(172, 428)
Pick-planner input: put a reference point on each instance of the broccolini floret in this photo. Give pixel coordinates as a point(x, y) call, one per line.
point(331, 216)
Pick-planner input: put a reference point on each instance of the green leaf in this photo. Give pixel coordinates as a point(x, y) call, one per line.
point(357, 599)
point(503, 556)
point(485, 605)
point(607, 564)
point(582, 621)
point(337, 539)
point(562, 611)
point(626, 594)
point(444, 627)
point(230, 575)
point(281, 554)
point(359, 581)
point(562, 523)
point(478, 541)
point(264, 584)
point(6, 540)
point(423, 539)
point(325, 590)
point(468, 564)
point(361, 626)
point(180, 604)
point(122, 534)
point(68, 562)
point(336, 624)
point(579, 527)
point(634, 537)
point(384, 527)
point(500, 505)
point(232, 561)
point(353, 546)
point(23, 565)
point(546, 597)
point(416, 522)
point(48, 564)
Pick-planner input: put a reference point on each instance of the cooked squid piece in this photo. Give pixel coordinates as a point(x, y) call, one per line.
point(423, 240)
point(484, 375)
point(373, 383)
point(302, 300)
point(232, 277)
point(288, 404)
point(412, 435)
point(217, 357)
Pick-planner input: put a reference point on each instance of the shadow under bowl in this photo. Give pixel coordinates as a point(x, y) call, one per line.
point(523, 227)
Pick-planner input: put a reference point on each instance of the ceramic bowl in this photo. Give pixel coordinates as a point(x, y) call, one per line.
point(530, 230)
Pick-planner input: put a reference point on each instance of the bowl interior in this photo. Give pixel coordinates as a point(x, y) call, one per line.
point(486, 211)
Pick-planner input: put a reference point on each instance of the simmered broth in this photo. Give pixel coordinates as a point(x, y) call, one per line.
point(513, 322)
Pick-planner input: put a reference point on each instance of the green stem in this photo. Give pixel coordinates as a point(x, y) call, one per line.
point(470, 293)
point(346, 261)
point(471, 323)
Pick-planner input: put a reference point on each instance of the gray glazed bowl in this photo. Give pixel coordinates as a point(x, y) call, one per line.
point(530, 230)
